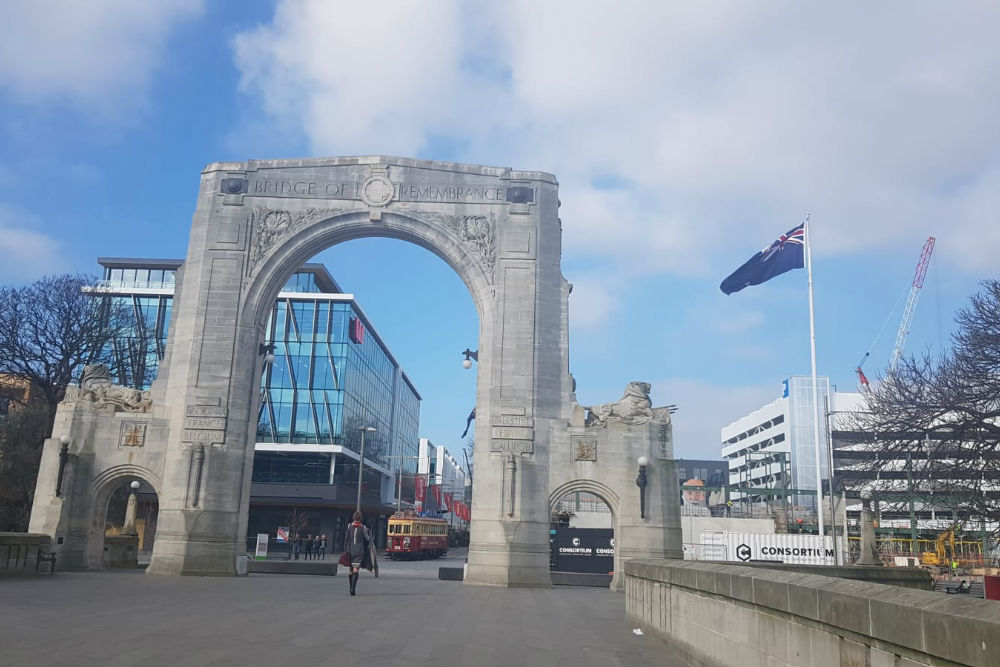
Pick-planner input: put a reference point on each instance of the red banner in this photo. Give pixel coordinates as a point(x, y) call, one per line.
point(436, 492)
point(420, 491)
point(449, 501)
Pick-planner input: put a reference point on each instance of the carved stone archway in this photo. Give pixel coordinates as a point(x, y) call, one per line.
point(255, 223)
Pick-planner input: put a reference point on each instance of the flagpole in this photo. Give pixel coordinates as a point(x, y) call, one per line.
point(812, 350)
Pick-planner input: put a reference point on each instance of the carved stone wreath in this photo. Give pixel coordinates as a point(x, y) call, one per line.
point(269, 226)
point(478, 233)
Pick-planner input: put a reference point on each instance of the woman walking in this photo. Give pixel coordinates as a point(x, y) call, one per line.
point(359, 540)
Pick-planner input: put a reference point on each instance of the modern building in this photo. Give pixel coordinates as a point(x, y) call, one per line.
point(332, 382)
point(444, 471)
point(774, 447)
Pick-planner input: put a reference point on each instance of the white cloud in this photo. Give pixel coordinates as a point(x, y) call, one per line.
point(675, 128)
point(96, 53)
point(27, 254)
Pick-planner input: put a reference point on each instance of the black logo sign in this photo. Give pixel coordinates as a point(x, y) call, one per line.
point(743, 552)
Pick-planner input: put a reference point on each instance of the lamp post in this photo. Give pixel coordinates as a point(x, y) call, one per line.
point(128, 527)
point(63, 460)
point(640, 481)
point(361, 462)
point(470, 355)
point(399, 480)
point(267, 351)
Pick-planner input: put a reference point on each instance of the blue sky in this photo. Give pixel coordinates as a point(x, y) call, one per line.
point(685, 135)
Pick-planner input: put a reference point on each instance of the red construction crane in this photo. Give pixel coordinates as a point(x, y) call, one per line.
point(911, 305)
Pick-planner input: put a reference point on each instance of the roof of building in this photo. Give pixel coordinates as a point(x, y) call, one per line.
point(324, 280)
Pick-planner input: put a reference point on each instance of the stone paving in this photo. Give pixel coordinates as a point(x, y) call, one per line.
point(404, 617)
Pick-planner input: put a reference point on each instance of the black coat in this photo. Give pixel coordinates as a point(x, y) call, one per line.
point(359, 546)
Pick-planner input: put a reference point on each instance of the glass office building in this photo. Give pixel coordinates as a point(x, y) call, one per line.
point(331, 377)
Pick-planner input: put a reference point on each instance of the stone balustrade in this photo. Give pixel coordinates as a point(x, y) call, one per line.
point(731, 614)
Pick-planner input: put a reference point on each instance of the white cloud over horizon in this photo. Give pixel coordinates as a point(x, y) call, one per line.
point(710, 122)
point(98, 55)
point(27, 253)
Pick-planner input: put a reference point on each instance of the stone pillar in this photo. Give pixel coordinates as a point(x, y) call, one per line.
point(522, 393)
point(869, 548)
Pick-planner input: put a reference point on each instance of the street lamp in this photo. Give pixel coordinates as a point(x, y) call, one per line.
point(361, 462)
point(63, 460)
point(640, 481)
point(268, 351)
point(128, 527)
point(469, 356)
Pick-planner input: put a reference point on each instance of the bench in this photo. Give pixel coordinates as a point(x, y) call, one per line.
point(976, 588)
point(46, 557)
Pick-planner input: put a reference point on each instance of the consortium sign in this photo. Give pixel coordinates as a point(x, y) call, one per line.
point(777, 548)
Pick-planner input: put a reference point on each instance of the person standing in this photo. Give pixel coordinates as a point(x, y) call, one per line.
point(315, 547)
point(359, 540)
point(322, 548)
point(297, 545)
point(307, 545)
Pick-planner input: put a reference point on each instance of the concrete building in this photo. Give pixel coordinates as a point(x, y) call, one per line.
point(332, 375)
point(773, 447)
point(441, 469)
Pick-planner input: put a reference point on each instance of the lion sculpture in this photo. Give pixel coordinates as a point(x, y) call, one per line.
point(635, 407)
point(96, 387)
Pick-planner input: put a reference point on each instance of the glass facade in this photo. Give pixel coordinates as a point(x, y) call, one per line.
point(802, 418)
point(322, 388)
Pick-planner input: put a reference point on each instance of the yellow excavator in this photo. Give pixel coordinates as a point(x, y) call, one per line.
point(944, 551)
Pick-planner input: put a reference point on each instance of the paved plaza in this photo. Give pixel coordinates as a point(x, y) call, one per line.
point(405, 617)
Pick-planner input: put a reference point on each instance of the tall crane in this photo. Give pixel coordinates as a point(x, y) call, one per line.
point(904, 325)
point(911, 303)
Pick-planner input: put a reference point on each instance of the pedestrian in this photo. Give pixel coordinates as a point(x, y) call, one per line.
point(357, 553)
point(308, 546)
point(315, 547)
point(297, 545)
point(322, 548)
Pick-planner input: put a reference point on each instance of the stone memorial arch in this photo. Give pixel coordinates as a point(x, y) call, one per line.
point(258, 221)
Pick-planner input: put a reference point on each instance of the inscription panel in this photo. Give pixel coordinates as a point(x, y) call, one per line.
point(363, 189)
point(209, 423)
point(213, 437)
point(512, 446)
point(513, 420)
point(206, 411)
point(512, 433)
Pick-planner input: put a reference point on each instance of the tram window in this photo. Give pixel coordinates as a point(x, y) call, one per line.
point(406, 530)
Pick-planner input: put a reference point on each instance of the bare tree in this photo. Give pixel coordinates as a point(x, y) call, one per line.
point(933, 424)
point(49, 330)
point(52, 328)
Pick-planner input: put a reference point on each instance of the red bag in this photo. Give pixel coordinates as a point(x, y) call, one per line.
point(345, 559)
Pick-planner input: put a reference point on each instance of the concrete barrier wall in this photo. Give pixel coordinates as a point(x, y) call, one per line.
point(728, 614)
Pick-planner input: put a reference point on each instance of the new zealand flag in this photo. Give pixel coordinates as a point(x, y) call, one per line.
point(783, 255)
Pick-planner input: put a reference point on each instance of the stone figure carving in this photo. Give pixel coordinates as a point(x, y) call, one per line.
point(634, 408)
point(96, 388)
